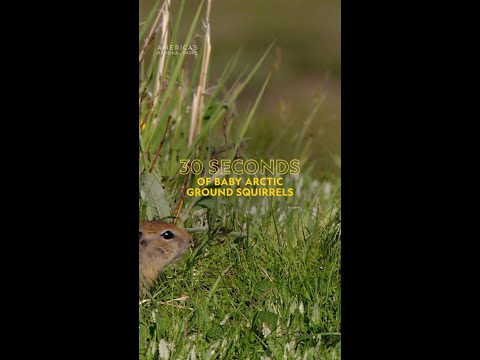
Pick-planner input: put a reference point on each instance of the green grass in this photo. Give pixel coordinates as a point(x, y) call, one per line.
point(308, 41)
point(263, 280)
point(274, 292)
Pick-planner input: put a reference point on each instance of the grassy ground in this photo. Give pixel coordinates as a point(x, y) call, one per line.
point(272, 294)
point(263, 280)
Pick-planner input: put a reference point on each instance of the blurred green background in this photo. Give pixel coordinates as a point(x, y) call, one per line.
point(307, 34)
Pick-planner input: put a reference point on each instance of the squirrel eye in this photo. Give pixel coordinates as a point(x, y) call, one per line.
point(167, 235)
point(140, 235)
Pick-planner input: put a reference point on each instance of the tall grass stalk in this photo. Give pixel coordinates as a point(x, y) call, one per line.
point(197, 108)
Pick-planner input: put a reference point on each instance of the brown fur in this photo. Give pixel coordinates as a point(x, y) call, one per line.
point(156, 252)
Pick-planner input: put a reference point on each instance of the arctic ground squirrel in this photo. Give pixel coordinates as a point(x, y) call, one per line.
point(160, 244)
